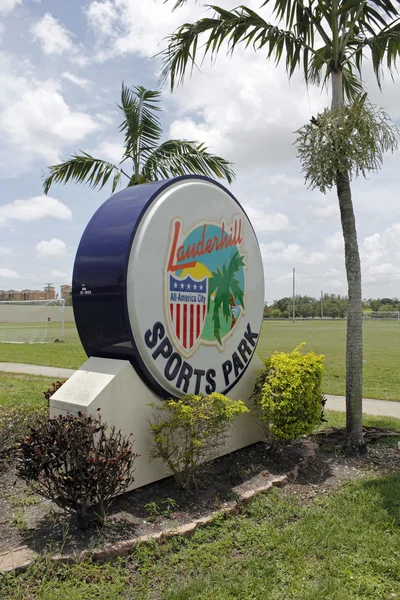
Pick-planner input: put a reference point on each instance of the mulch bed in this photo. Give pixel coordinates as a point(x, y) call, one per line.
point(27, 519)
point(332, 467)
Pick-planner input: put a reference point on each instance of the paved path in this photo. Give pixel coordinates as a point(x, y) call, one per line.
point(370, 407)
point(382, 408)
point(36, 370)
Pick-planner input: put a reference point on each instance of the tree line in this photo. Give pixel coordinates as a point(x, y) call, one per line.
point(333, 306)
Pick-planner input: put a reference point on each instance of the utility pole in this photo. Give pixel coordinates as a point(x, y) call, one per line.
point(294, 294)
point(322, 305)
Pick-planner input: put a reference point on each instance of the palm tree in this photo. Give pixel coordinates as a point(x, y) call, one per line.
point(225, 288)
point(150, 161)
point(327, 40)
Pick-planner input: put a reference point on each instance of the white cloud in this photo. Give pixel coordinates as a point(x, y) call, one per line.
point(278, 252)
point(134, 26)
point(334, 244)
point(32, 209)
point(53, 37)
point(249, 118)
point(381, 249)
point(111, 151)
point(56, 40)
point(107, 119)
point(294, 254)
point(9, 274)
point(7, 6)
point(60, 274)
point(263, 222)
point(102, 17)
point(334, 279)
point(283, 180)
point(5, 251)
point(37, 122)
point(329, 211)
point(54, 248)
point(79, 81)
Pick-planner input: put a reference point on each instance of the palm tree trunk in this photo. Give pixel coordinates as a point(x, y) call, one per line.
point(354, 344)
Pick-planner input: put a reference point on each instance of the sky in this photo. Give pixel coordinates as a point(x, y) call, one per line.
point(61, 69)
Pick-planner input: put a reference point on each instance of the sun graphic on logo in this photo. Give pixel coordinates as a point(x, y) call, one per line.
point(197, 272)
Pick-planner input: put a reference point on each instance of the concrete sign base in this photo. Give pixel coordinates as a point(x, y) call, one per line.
point(114, 386)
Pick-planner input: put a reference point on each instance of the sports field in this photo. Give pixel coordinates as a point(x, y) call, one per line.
point(381, 352)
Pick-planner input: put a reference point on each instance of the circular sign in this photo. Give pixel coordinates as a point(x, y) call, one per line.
point(169, 275)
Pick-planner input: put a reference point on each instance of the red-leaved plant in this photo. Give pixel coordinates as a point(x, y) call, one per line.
point(78, 463)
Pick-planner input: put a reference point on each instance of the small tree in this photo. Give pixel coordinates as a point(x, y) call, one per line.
point(189, 431)
point(144, 159)
point(77, 463)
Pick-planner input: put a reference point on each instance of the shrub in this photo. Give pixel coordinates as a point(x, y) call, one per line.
point(77, 463)
point(188, 432)
point(52, 389)
point(287, 395)
point(15, 422)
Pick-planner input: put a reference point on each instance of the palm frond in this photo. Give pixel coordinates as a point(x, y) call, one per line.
point(182, 157)
point(83, 168)
point(141, 126)
point(318, 68)
point(239, 26)
point(385, 48)
point(304, 19)
point(352, 84)
point(178, 3)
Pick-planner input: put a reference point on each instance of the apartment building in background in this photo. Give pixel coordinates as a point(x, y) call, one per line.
point(65, 292)
point(48, 293)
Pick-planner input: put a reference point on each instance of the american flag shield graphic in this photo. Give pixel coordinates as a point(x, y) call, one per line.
point(187, 309)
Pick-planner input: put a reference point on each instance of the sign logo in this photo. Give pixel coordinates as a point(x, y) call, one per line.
point(205, 283)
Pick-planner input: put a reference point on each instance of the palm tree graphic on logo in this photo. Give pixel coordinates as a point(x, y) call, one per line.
point(225, 295)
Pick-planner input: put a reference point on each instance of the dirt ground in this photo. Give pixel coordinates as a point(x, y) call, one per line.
point(27, 519)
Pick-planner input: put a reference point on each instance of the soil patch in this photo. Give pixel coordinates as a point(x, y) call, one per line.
point(332, 468)
point(27, 519)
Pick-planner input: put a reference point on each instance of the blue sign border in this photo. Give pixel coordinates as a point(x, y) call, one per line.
point(99, 281)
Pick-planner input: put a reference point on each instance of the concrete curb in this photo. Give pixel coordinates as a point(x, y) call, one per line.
point(20, 558)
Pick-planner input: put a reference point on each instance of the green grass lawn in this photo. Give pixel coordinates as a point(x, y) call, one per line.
point(277, 549)
point(68, 354)
point(16, 389)
point(381, 352)
point(338, 419)
point(65, 355)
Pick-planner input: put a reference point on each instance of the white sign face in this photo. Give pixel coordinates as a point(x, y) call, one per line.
point(195, 289)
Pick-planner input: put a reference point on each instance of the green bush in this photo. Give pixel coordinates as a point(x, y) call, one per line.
point(77, 463)
point(188, 432)
point(287, 395)
point(15, 422)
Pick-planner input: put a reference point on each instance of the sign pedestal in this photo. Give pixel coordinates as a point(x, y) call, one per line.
point(114, 386)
